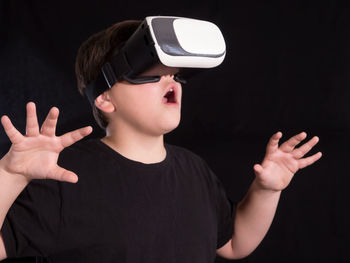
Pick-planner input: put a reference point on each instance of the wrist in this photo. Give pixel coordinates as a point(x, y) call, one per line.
point(10, 177)
point(259, 188)
point(11, 185)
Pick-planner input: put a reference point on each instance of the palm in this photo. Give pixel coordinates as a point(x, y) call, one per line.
point(35, 155)
point(281, 163)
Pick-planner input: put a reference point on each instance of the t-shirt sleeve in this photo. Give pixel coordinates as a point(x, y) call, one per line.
point(225, 209)
point(31, 225)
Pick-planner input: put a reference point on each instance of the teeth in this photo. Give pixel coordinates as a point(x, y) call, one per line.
point(171, 89)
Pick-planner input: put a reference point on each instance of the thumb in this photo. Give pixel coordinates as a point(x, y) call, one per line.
point(61, 174)
point(258, 168)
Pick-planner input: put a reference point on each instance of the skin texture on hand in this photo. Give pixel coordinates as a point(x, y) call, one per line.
point(281, 163)
point(256, 211)
point(35, 154)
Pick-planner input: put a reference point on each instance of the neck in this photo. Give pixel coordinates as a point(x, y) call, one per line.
point(135, 145)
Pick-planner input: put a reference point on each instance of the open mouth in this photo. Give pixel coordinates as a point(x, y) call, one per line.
point(169, 97)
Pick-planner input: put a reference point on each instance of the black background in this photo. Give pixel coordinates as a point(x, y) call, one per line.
point(286, 69)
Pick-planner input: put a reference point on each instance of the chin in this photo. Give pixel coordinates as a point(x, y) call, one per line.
point(168, 127)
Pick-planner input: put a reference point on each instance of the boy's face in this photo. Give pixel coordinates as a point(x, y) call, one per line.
point(150, 108)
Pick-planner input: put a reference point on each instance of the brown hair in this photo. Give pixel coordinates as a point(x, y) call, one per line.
point(96, 51)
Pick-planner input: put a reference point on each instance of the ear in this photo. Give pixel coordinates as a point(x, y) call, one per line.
point(104, 103)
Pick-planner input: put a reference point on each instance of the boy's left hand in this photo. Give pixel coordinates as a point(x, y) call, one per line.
point(281, 163)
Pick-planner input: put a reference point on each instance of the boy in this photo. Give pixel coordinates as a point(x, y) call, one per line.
point(137, 199)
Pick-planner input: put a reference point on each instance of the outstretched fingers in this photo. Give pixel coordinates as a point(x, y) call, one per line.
point(309, 160)
point(305, 148)
point(273, 142)
point(14, 135)
point(32, 127)
point(289, 145)
point(71, 137)
point(49, 126)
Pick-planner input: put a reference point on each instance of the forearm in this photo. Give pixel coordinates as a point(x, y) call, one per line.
point(253, 218)
point(11, 185)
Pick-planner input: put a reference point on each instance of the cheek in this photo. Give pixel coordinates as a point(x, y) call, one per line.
point(139, 100)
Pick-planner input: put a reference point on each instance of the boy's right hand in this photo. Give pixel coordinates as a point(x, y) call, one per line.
point(35, 155)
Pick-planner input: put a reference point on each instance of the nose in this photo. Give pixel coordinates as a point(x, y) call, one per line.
point(168, 76)
point(176, 78)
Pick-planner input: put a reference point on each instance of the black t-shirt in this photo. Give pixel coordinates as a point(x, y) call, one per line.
point(122, 210)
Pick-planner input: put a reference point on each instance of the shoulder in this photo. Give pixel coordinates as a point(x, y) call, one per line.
point(91, 146)
point(84, 152)
point(83, 145)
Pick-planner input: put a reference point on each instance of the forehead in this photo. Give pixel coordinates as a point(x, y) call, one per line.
point(160, 70)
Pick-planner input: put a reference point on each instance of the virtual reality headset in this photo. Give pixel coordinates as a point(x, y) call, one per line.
point(161, 45)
